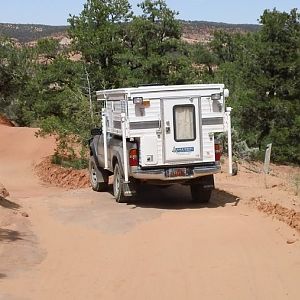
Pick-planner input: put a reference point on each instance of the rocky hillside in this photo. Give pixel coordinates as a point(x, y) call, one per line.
point(202, 31)
point(25, 33)
point(193, 31)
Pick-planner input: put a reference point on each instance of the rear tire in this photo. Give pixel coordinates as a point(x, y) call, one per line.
point(199, 195)
point(118, 184)
point(98, 184)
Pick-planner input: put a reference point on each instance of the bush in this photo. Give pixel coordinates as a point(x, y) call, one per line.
point(240, 149)
point(66, 162)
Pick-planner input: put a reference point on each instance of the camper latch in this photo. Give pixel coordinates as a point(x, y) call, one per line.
point(168, 127)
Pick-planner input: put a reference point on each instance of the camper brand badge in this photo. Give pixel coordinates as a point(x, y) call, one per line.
point(183, 150)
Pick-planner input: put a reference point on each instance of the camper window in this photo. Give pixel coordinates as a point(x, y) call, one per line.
point(184, 123)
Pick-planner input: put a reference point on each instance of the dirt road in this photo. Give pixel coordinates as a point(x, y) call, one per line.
point(82, 245)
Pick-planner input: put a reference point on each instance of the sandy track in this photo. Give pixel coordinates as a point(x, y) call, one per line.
point(161, 247)
point(20, 150)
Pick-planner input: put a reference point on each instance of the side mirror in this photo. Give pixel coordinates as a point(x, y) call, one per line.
point(96, 131)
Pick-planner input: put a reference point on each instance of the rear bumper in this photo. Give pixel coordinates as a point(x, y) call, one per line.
point(160, 174)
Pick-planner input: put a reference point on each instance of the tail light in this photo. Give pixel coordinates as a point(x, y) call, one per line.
point(133, 158)
point(218, 152)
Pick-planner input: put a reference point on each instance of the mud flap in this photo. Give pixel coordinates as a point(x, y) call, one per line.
point(129, 189)
point(102, 175)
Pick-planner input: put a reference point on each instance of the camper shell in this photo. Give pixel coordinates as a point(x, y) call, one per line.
point(158, 135)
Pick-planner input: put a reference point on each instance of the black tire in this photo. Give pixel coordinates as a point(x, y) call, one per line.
point(118, 184)
point(199, 195)
point(98, 185)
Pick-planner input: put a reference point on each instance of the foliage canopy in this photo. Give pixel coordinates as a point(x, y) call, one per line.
point(44, 86)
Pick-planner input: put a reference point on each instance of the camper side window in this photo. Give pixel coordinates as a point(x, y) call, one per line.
point(184, 123)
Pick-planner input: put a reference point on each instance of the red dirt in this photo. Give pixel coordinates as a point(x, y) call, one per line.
point(286, 215)
point(83, 245)
point(278, 181)
point(3, 191)
point(274, 194)
point(5, 121)
point(62, 177)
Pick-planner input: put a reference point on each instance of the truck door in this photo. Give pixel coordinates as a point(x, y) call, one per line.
point(181, 122)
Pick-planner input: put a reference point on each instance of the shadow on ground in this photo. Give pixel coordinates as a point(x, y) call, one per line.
point(7, 235)
point(8, 204)
point(103, 213)
point(178, 197)
point(2, 276)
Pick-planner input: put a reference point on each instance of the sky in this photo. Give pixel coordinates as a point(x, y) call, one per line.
point(56, 12)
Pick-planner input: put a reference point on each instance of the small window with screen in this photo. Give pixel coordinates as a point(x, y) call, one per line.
point(184, 123)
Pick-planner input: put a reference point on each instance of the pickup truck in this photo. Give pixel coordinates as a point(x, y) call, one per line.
point(159, 135)
point(198, 175)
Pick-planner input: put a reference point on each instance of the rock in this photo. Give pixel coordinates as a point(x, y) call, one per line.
point(291, 241)
point(3, 191)
point(296, 221)
point(24, 214)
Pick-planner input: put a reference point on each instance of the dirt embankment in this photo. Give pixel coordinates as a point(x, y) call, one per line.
point(275, 194)
point(5, 121)
point(286, 215)
point(62, 177)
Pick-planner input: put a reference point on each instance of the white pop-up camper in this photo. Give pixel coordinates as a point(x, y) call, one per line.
point(158, 135)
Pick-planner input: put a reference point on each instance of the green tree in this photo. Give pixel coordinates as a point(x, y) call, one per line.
point(224, 46)
point(262, 71)
point(155, 53)
point(277, 83)
point(16, 69)
point(59, 105)
point(204, 58)
point(98, 34)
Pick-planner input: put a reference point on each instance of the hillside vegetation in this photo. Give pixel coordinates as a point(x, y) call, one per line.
point(203, 31)
point(196, 30)
point(24, 33)
point(45, 86)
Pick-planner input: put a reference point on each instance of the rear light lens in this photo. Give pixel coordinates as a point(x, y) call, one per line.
point(133, 158)
point(218, 152)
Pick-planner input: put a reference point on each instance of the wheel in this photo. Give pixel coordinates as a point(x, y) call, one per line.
point(199, 195)
point(98, 184)
point(118, 184)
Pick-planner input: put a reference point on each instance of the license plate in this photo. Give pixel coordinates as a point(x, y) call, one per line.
point(177, 172)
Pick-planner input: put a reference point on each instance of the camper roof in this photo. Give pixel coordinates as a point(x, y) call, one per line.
point(160, 88)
